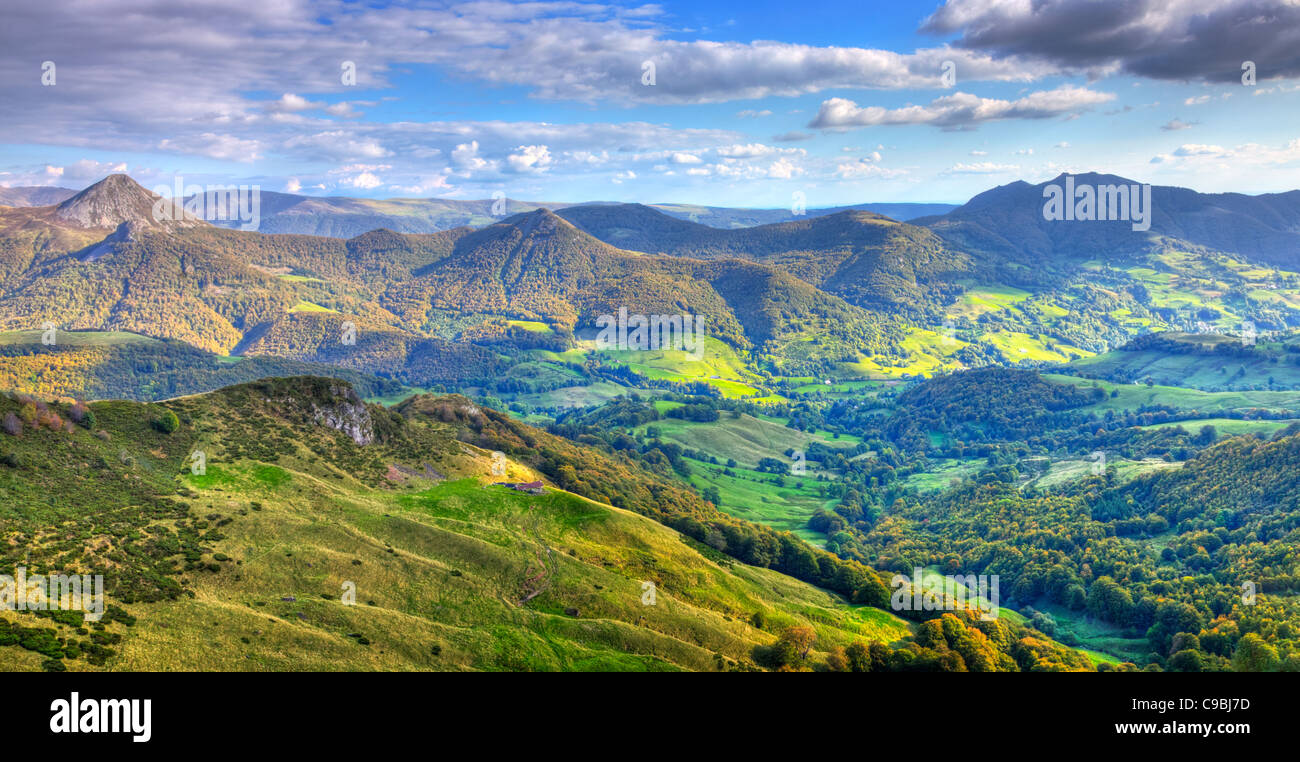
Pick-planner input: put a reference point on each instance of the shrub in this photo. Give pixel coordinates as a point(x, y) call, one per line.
point(82, 415)
point(167, 422)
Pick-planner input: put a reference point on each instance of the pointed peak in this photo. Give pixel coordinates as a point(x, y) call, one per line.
point(539, 220)
point(119, 199)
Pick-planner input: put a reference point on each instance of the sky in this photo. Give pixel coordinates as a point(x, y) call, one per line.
point(722, 103)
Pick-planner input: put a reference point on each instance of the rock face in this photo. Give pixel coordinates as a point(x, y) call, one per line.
point(125, 233)
point(118, 199)
point(347, 414)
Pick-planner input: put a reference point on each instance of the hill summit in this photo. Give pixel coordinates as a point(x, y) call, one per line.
point(118, 199)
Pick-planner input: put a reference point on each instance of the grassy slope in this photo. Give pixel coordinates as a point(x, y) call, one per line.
point(745, 492)
point(1133, 396)
point(746, 439)
point(443, 564)
point(1267, 366)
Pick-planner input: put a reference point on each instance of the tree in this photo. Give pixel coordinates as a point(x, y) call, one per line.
point(83, 415)
point(799, 639)
point(1254, 655)
point(167, 422)
point(1186, 660)
point(859, 657)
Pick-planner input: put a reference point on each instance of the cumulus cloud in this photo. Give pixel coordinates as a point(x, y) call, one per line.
point(1173, 125)
point(1195, 149)
point(1168, 40)
point(960, 110)
point(579, 51)
point(783, 169)
point(77, 174)
point(1244, 155)
point(364, 181)
point(290, 103)
point(529, 159)
point(336, 145)
point(465, 158)
point(751, 150)
point(207, 144)
point(865, 166)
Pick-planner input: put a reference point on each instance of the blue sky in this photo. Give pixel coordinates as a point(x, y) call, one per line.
point(844, 102)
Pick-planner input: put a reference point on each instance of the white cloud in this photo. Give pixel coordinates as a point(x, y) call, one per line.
point(863, 168)
point(364, 181)
point(1195, 149)
point(981, 168)
point(227, 147)
point(961, 110)
point(783, 169)
point(337, 145)
point(465, 158)
point(1254, 155)
point(77, 175)
point(529, 159)
point(290, 103)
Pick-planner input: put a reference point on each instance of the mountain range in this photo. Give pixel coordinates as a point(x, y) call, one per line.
point(656, 466)
point(850, 293)
point(344, 217)
point(1007, 222)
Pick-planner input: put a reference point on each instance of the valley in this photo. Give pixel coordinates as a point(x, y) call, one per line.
point(963, 392)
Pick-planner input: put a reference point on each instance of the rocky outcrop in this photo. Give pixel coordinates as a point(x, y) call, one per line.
point(346, 413)
point(118, 199)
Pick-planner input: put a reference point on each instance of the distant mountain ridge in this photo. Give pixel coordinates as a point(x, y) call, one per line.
point(1007, 222)
point(867, 259)
point(849, 294)
point(34, 195)
point(347, 217)
point(417, 303)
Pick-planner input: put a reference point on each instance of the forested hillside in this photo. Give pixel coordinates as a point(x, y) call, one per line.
point(305, 493)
